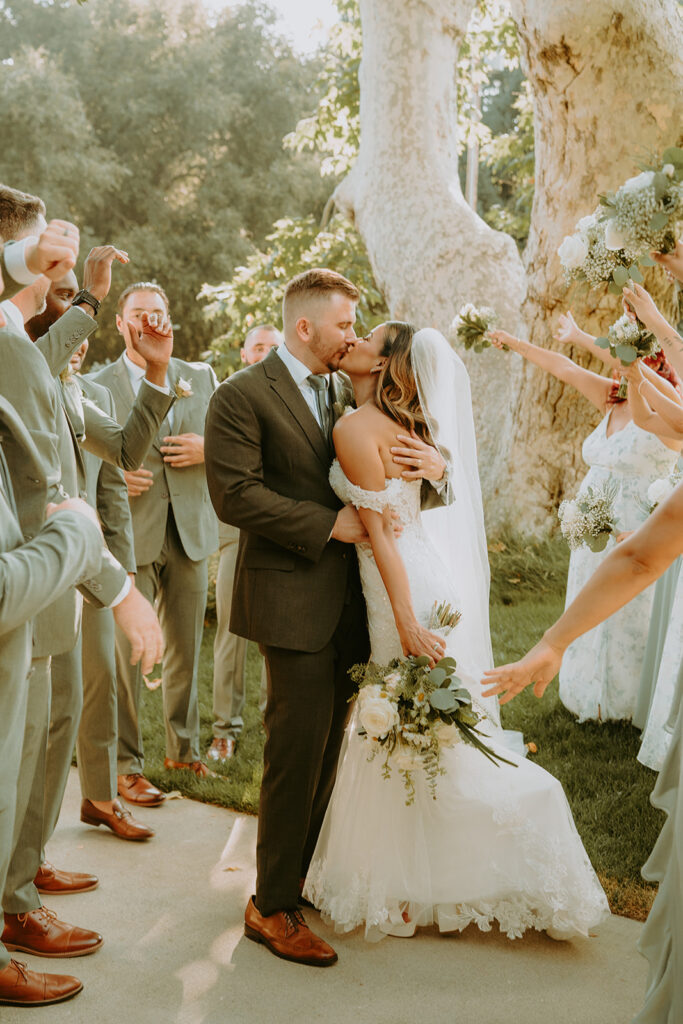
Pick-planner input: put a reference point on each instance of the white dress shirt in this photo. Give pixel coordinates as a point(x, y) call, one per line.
point(13, 317)
point(15, 260)
point(136, 375)
point(300, 372)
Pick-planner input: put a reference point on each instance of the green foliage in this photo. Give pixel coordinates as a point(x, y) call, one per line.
point(510, 159)
point(159, 129)
point(254, 294)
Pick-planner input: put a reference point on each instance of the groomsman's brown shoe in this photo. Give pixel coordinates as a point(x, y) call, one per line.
point(21, 987)
point(287, 935)
point(53, 882)
point(136, 789)
point(41, 932)
point(198, 768)
point(120, 821)
point(221, 749)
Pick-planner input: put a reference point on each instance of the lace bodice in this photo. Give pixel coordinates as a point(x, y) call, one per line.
point(402, 496)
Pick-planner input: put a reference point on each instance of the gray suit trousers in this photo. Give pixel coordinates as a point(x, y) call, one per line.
point(97, 736)
point(178, 586)
point(66, 703)
point(229, 650)
point(20, 894)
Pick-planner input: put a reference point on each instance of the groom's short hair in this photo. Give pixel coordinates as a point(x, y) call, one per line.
point(317, 283)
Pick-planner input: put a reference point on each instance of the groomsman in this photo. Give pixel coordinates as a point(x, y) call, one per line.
point(230, 651)
point(175, 530)
point(39, 560)
point(94, 706)
point(27, 379)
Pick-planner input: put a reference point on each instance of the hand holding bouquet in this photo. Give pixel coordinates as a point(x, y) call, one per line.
point(627, 340)
point(589, 519)
point(471, 326)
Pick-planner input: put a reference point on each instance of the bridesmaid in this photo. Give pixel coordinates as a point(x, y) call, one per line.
point(601, 671)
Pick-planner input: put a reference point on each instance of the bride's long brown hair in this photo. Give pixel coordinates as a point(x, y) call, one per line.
point(396, 393)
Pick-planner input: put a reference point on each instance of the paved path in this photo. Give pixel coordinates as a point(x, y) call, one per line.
point(171, 912)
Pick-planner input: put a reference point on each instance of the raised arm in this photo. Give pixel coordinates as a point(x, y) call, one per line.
point(359, 456)
point(643, 306)
point(591, 385)
point(631, 567)
point(568, 332)
point(652, 409)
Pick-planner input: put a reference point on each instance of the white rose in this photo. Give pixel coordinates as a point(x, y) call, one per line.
point(669, 170)
point(392, 681)
point(640, 181)
point(614, 238)
point(659, 491)
point(573, 252)
point(586, 223)
point(447, 735)
point(570, 513)
point(378, 716)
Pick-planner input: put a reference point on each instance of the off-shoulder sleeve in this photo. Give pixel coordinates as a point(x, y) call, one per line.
point(351, 494)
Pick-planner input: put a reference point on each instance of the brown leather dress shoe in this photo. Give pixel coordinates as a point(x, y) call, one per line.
point(136, 789)
point(121, 822)
point(41, 933)
point(21, 987)
point(221, 749)
point(201, 770)
point(287, 935)
point(54, 882)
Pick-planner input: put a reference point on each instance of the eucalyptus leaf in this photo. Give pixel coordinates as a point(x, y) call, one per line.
point(442, 700)
point(620, 276)
point(462, 694)
point(603, 342)
point(635, 273)
point(447, 663)
point(661, 184)
point(614, 288)
point(422, 661)
point(438, 676)
point(673, 155)
point(647, 261)
point(660, 220)
point(627, 353)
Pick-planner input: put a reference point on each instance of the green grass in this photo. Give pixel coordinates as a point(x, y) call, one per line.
point(608, 790)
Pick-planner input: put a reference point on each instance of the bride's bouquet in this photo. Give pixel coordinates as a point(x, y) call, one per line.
point(586, 256)
point(409, 712)
point(644, 213)
point(628, 340)
point(589, 519)
point(472, 325)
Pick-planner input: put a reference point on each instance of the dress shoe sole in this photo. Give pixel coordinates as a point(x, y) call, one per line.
point(96, 824)
point(51, 954)
point(256, 936)
point(41, 1002)
point(67, 892)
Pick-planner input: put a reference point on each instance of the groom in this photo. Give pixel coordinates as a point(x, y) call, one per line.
point(297, 588)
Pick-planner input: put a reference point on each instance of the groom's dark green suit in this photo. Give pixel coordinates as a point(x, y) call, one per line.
point(297, 593)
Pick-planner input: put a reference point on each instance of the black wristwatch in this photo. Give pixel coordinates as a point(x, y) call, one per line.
point(85, 296)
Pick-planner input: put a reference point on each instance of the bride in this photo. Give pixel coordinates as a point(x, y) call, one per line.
point(498, 844)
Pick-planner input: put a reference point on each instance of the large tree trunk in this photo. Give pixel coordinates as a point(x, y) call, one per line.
point(607, 80)
point(430, 252)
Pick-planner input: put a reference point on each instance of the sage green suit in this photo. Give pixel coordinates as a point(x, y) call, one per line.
point(175, 531)
point(28, 380)
point(38, 560)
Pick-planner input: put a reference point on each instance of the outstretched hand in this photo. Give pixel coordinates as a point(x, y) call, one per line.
point(671, 261)
point(537, 668)
point(423, 460)
point(97, 269)
point(639, 303)
point(501, 340)
point(568, 331)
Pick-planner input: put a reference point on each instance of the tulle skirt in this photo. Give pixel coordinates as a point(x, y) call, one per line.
point(497, 845)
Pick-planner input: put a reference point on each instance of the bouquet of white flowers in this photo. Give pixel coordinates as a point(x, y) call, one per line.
point(660, 490)
point(408, 712)
point(589, 519)
point(585, 256)
point(646, 211)
point(628, 340)
point(471, 326)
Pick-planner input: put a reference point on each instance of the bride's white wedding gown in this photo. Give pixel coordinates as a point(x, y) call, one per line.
point(498, 843)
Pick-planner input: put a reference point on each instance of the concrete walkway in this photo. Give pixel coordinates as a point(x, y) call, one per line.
point(171, 913)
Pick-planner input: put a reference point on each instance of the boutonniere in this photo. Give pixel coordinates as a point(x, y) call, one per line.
point(183, 388)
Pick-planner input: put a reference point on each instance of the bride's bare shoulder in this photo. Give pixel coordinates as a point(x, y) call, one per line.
point(358, 421)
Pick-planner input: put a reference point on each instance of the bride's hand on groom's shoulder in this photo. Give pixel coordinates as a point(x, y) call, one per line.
point(422, 461)
point(538, 668)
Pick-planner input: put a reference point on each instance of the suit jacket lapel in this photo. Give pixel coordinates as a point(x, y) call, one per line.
point(281, 381)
